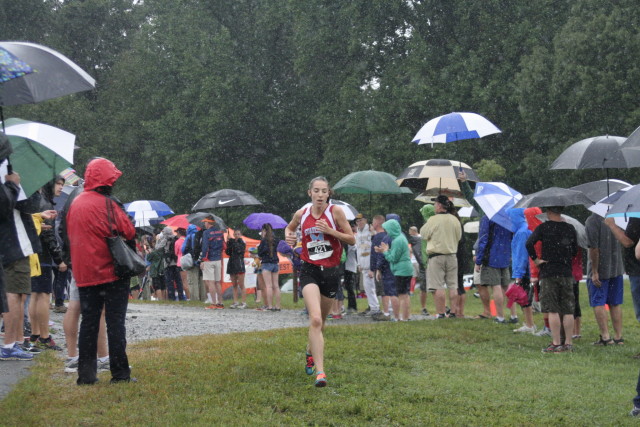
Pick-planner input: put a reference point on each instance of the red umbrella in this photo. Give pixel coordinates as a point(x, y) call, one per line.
point(177, 221)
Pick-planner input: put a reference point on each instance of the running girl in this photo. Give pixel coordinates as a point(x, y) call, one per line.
point(323, 227)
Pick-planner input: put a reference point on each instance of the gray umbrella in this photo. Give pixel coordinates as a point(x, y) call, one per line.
point(599, 152)
point(55, 75)
point(597, 190)
point(225, 198)
point(628, 205)
point(554, 196)
point(197, 217)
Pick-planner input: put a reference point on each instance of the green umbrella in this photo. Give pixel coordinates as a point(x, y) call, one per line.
point(35, 163)
point(369, 182)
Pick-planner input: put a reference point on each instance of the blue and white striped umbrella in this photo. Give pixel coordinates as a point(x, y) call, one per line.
point(144, 210)
point(495, 198)
point(453, 127)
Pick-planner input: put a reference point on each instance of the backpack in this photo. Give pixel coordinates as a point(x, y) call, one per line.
point(170, 251)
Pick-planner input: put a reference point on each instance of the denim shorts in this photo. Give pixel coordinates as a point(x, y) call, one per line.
point(274, 268)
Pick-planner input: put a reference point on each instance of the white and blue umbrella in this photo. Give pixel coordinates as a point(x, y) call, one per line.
point(144, 210)
point(495, 198)
point(453, 127)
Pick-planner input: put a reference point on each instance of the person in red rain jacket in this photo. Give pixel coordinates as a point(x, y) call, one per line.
point(88, 227)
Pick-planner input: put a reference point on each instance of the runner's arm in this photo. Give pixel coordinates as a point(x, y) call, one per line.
point(346, 235)
point(290, 230)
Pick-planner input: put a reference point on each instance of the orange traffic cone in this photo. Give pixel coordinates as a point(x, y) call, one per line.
point(492, 306)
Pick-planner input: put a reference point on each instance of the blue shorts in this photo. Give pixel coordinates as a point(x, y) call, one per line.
point(44, 282)
point(610, 292)
point(274, 268)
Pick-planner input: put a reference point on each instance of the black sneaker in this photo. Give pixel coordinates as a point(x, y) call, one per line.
point(514, 320)
point(28, 347)
point(425, 312)
point(635, 411)
point(499, 321)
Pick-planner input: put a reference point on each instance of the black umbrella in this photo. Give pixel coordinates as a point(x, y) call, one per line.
point(197, 217)
point(599, 152)
point(554, 196)
point(225, 198)
point(596, 190)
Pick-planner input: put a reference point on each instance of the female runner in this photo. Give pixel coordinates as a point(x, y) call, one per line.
point(323, 227)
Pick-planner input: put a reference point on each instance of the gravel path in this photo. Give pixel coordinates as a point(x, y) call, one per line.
point(149, 321)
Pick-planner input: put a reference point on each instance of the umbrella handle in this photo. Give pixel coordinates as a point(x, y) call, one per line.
point(9, 167)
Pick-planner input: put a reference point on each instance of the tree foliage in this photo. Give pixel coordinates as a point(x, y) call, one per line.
point(262, 95)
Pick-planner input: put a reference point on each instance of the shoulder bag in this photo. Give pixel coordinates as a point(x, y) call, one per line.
point(126, 262)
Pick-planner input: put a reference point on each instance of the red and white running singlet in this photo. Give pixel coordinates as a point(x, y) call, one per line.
point(317, 248)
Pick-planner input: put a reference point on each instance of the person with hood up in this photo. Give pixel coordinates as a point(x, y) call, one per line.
point(88, 227)
point(172, 278)
point(427, 211)
point(520, 265)
point(385, 280)
point(493, 258)
point(400, 262)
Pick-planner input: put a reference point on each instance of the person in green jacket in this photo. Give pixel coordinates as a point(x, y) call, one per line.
point(400, 262)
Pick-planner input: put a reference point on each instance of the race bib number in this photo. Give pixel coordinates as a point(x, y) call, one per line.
point(319, 249)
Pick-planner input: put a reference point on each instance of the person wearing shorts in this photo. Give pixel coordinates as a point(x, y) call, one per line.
point(324, 228)
point(494, 256)
point(559, 246)
point(442, 234)
point(400, 263)
point(211, 262)
point(604, 279)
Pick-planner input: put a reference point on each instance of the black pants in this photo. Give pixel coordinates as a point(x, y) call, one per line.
point(114, 297)
point(60, 280)
point(171, 276)
point(350, 285)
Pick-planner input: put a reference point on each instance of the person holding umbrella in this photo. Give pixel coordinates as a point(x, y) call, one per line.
point(324, 228)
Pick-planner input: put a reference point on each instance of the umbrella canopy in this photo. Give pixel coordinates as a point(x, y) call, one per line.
point(468, 212)
point(419, 174)
point(581, 231)
point(369, 182)
point(596, 190)
point(225, 198)
point(147, 209)
point(55, 75)
point(57, 140)
point(141, 222)
point(472, 227)
point(495, 198)
point(349, 211)
point(431, 199)
point(554, 196)
point(453, 127)
point(197, 217)
point(36, 163)
point(627, 205)
point(600, 152)
point(11, 67)
point(256, 220)
point(177, 221)
point(603, 207)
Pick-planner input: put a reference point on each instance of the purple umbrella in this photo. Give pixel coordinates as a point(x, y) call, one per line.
point(255, 221)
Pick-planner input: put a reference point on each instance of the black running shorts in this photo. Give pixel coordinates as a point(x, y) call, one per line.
point(326, 278)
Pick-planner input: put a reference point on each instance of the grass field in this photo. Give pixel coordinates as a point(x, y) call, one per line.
point(445, 372)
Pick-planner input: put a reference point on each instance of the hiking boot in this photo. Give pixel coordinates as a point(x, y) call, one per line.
point(321, 380)
point(424, 312)
point(544, 332)
point(71, 365)
point(311, 366)
point(14, 353)
point(49, 344)
point(635, 411)
point(104, 366)
point(59, 309)
point(525, 329)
